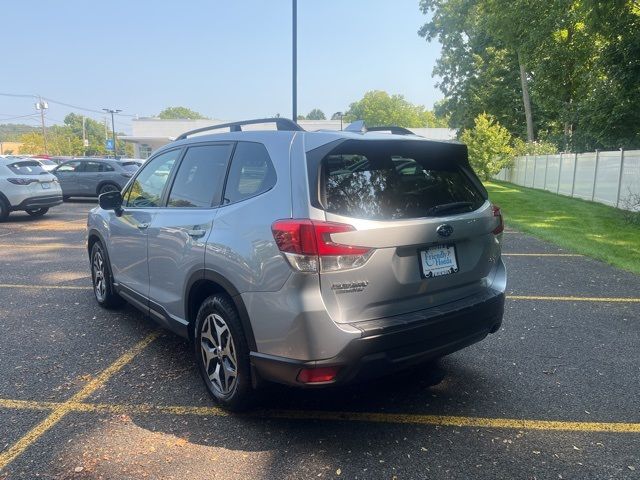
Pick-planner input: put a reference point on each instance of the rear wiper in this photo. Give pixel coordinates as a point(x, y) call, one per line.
point(445, 207)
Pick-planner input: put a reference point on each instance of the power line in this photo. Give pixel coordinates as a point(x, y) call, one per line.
point(69, 105)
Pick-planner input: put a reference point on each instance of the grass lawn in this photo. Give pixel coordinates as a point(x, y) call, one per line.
point(582, 227)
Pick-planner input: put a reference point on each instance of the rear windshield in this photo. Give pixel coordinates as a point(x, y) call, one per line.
point(389, 182)
point(29, 167)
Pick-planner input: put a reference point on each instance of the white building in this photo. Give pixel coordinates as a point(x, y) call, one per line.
point(149, 134)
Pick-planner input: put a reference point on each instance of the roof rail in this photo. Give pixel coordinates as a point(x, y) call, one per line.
point(393, 129)
point(359, 126)
point(281, 124)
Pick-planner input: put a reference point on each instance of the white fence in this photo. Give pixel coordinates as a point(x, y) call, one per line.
point(604, 177)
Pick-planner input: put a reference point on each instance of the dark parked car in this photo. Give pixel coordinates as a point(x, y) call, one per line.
point(86, 177)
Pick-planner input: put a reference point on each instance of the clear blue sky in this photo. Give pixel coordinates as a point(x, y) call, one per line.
point(226, 59)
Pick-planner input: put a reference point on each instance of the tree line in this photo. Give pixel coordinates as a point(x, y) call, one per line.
point(560, 71)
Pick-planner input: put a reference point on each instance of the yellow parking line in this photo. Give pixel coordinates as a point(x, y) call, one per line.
point(574, 299)
point(63, 409)
point(541, 255)
point(42, 246)
point(392, 418)
point(45, 287)
point(549, 298)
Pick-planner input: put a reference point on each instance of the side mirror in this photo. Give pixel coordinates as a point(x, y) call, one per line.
point(111, 201)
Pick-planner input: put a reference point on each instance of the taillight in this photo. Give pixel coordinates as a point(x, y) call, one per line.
point(22, 181)
point(308, 247)
point(497, 213)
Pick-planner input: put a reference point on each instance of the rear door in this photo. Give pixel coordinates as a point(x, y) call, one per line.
point(89, 176)
point(422, 213)
point(179, 231)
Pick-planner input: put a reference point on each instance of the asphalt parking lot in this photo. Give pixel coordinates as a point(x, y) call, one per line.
point(87, 394)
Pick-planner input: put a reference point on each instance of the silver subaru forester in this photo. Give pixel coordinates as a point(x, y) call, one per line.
point(304, 258)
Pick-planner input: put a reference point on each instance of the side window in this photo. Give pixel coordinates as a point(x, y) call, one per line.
point(68, 167)
point(200, 177)
point(89, 167)
point(146, 189)
point(251, 173)
point(105, 167)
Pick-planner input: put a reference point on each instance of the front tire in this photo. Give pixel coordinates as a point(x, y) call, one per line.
point(38, 212)
point(102, 279)
point(4, 210)
point(108, 187)
point(222, 353)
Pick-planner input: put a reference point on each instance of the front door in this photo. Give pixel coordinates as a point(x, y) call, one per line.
point(128, 231)
point(67, 176)
point(179, 231)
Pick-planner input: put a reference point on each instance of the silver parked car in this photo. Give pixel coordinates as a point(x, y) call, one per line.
point(90, 177)
point(305, 258)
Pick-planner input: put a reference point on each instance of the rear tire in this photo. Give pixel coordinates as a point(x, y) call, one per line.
point(102, 280)
point(38, 212)
point(108, 187)
point(4, 210)
point(222, 353)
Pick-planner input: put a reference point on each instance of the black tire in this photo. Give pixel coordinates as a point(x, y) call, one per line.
point(104, 293)
point(240, 394)
point(108, 187)
point(38, 212)
point(4, 209)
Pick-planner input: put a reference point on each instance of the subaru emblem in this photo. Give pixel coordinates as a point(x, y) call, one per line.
point(445, 230)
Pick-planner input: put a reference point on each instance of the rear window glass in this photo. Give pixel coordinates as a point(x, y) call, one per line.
point(388, 184)
point(130, 166)
point(27, 168)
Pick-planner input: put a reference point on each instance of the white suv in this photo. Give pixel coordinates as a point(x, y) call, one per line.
point(26, 185)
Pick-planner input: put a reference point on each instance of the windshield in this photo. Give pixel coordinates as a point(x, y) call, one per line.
point(384, 183)
point(29, 167)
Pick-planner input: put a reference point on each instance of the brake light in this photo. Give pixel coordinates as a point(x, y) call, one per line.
point(318, 375)
point(497, 213)
point(22, 181)
point(308, 247)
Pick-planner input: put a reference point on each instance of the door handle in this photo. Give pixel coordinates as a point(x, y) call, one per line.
point(196, 233)
point(143, 226)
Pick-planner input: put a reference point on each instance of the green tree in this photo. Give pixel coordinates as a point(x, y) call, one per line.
point(60, 141)
point(179, 113)
point(489, 146)
point(316, 114)
point(378, 108)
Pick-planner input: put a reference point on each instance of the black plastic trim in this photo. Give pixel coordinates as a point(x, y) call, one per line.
point(38, 202)
point(234, 294)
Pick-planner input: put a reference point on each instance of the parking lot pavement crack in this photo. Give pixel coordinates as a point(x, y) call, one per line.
point(63, 409)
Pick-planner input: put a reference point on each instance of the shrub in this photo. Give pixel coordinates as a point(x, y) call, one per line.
point(489, 145)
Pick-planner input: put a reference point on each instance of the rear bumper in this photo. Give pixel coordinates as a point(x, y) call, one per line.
point(33, 203)
point(391, 344)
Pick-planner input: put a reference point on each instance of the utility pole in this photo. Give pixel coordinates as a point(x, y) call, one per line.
point(294, 65)
point(113, 127)
point(85, 144)
point(42, 106)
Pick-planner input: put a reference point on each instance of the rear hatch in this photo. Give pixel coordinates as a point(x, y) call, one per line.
point(421, 221)
point(36, 179)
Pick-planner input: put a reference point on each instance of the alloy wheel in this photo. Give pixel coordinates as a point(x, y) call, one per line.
point(218, 354)
point(99, 281)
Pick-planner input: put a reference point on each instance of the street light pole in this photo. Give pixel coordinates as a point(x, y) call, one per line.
point(113, 127)
point(294, 8)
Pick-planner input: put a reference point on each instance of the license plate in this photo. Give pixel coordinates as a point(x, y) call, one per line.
point(438, 260)
point(46, 186)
